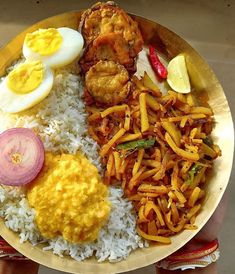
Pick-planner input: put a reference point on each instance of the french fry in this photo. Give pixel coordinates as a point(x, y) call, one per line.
point(152, 102)
point(183, 153)
point(152, 206)
point(191, 100)
point(129, 137)
point(127, 119)
point(138, 162)
point(113, 109)
point(194, 196)
point(179, 118)
point(152, 163)
point(208, 151)
point(117, 162)
point(148, 173)
point(173, 132)
point(176, 228)
point(154, 189)
point(175, 213)
point(174, 177)
point(148, 194)
point(160, 239)
point(134, 180)
point(105, 148)
point(180, 197)
point(109, 166)
point(183, 122)
point(138, 83)
point(204, 110)
point(143, 113)
point(193, 211)
point(123, 166)
point(197, 178)
point(141, 215)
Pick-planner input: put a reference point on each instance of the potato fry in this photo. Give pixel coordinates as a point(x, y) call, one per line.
point(105, 148)
point(179, 118)
point(127, 118)
point(154, 189)
point(173, 132)
point(152, 102)
point(164, 180)
point(113, 109)
point(143, 113)
point(183, 153)
point(138, 162)
point(152, 206)
point(160, 239)
point(204, 110)
point(117, 162)
point(194, 196)
point(130, 137)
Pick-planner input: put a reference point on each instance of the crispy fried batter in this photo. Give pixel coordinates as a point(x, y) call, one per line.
point(107, 17)
point(109, 46)
point(108, 82)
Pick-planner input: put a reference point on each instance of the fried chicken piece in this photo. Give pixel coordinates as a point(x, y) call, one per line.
point(108, 17)
point(108, 82)
point(111, 47)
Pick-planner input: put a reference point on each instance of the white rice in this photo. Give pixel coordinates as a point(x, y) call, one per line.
point(60, 120)
point(116, 239)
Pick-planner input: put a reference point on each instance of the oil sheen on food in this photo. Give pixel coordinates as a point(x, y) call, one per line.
point(69, 198)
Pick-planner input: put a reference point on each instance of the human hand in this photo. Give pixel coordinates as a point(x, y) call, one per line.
point(207, 234)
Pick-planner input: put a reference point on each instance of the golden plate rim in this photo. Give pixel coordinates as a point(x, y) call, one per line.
point(141, 257)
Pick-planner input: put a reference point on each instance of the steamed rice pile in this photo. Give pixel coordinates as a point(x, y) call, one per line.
point(60, 121)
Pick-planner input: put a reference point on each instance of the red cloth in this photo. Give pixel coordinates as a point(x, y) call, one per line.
point(7, 252)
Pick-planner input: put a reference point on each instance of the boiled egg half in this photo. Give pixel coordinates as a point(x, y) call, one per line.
point(25, 86)
point(55, 47)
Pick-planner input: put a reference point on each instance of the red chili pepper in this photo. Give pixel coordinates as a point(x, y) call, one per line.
point(157, 66)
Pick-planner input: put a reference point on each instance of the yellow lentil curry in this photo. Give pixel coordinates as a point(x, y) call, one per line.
point(69, 198)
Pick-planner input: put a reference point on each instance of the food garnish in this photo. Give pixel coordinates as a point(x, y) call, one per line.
point(193, 172)
point(55, 47)
point(138, 144)
point(69, 198)
point(177, 77)
point(25, 86)
point(157, 65)
point(22, 156)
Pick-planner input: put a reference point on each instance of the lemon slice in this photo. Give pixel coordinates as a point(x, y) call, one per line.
point(177, 76)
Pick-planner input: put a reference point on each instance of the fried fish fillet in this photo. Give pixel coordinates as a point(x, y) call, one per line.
point(111, 47)
point(108, 82)
point(108, 17)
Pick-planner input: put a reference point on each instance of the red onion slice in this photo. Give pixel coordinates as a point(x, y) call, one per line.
point(21, 156)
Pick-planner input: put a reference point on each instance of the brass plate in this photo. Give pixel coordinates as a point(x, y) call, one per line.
point(205, 82)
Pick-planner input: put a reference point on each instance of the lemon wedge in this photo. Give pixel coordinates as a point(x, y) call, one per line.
point(177, 76)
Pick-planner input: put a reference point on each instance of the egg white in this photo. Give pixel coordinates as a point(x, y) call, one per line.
point(12, 102)
point(70, 49)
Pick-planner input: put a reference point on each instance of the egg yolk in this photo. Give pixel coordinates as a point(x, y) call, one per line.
point(44, 41)
point(26, 77)
point(69, 198)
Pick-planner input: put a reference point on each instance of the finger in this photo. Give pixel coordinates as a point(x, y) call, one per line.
point(212, 228)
